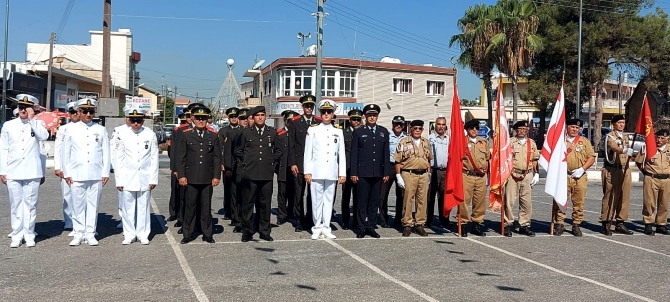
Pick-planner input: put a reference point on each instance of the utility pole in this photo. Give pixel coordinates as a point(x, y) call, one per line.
point(579, 64)
point(49, 72)
point(618, 94)
point(106, 44)
point(164, 101)
point(319, 48)
point(174, 100)
point(4, 67)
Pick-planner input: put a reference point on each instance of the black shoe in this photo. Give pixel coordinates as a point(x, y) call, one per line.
point(445, 224)
point(508, 231)
point(576, 231)
point(172, 218)
point(281, 221)
point(237, 229)
point(476, 230)
point(180, 231)
point(208, 239)
point(558, 229)
point(607, 228)
point(421, 231)
point(525, 230)
point(648, 230)
point(247, 238)
point(372, 234)
point(621, 229)
point(384, 225)
point(360, 235)
point(186, 240)
point(267, 238)
point(345, 225)
point(178, 224)
point(662, 230)
point(298, 228)
point(407, 231)
point(226, 218)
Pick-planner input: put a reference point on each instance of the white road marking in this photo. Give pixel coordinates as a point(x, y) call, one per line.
point(192, 281)
point(382, 273)
point(553, 269)
point(569, 208)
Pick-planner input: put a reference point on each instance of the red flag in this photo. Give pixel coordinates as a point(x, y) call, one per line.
point(501, 158)
point(645, 126)
point(453, 189)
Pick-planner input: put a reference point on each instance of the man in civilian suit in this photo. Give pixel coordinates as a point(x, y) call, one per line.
point(370, 167)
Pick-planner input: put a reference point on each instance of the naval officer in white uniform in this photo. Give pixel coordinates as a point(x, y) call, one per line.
point(86, 170)
point(113, 140)
point(136, 174)
point(58, 165)
point(325, 166)
point(22, 169)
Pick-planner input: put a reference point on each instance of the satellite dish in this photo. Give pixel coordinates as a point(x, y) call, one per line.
point(258, 64)
point(230, 62)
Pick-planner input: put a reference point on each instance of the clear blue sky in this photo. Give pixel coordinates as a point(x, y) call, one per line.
point(193, 39)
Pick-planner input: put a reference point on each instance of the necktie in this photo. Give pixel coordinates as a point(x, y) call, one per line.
point(260, 132)
point(200, 133)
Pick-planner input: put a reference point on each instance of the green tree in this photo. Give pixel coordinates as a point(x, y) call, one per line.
point(168, 113)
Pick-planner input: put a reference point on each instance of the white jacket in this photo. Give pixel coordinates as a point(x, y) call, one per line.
point(86, 156)
point(136, 158)
point(20, 149)
point(113, 141)
point(58, 146)
point(323, 145)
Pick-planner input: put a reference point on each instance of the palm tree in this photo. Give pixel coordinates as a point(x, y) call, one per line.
point(516, 43)
point(477, 28)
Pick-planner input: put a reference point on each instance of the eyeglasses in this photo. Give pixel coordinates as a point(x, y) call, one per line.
point(417, 128)
point(356, 119)
point(136, 120)
point(327, 111)
point(87, 111)
point(23, 107)
point(473, 127)
point(71, 111)
point(201, 117)
point(308, 106)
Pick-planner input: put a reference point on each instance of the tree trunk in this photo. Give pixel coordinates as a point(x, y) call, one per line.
point(515, 97)
point(597, 135)
point(490, 98)
point(634, 105)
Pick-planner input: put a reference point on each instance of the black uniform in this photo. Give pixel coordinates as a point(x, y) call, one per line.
point(230, 162)
point(349, 186)
point(285, 192)
point(297, 133)
point(177, 194)
point(370, 161)
point(229, 194)
point(200, 163)
point(257, 155)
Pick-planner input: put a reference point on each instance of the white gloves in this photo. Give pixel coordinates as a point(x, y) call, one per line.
point(399, 181)
point(536, 179)
point(577, 173)
point(628, 151)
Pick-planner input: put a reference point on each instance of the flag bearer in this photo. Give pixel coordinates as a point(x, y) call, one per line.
point(524, 175)
point(616, 179)
point(475, 170)
point(656, 185)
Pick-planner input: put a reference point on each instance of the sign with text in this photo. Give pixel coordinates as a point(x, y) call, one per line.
point(62, 100)
point(283, 106)
point(87, 95)
point(140, 103)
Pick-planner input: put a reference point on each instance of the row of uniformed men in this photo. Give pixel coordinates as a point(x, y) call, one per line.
point(82, 159)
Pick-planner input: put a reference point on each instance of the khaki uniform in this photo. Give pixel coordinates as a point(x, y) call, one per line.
point(518, 185)
point(579, 151)
point(656, 186)
point(474, 184)
point(414, 163)
point(616, 181)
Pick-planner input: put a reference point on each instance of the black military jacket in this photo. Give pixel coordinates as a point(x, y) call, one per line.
point(199, 158)
point(282, 166)
point(370, 153)
point(174, 147)
point(227, 136)
point(348, 135)
point(257, 154)
point(297, 134)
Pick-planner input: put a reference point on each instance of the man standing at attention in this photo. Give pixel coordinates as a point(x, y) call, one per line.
point(656, 185)
point(439, 143)
point(58, 166)
point(616, 179)
point(524, 175)
point(395, 136)
point(228, 183)
point(284, 176)
point(348, 187)
point(475, 170)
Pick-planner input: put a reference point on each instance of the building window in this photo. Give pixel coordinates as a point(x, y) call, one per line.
point(347, 84)
point(267, 87)
point(614, 94)
point(402, 86)
point(286, 87)
point(303, 82)
point(328, 83)
point(434, 88)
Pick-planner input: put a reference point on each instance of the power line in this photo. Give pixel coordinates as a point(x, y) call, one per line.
point(66, 16)
point(208, 19)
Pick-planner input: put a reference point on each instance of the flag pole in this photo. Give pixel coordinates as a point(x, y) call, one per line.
point(458, 213)
point(502, 214)
point(553, 217)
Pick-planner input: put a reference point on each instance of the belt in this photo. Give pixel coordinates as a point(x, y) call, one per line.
point(519, 171)
point(415, 171)
point(439, 169)
point(472, 173)
point(657, 176)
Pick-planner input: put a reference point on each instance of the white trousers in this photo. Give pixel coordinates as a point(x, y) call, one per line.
point(322, 204)
point(136, 214)
point(120, 198)
point(23, 195)
point(67, 202)
point(85, 199)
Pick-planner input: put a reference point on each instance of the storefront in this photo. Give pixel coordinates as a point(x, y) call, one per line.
point(18, 83)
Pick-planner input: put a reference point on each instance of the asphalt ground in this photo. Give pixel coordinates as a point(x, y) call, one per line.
point(440, 267)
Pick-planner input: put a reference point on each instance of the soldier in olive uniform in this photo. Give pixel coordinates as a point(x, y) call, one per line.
point(257, 152)
point(412, 156)
point(616, 179)
point(284, 175)
point(656, 185)
point(199, 170)
point(580, 157)
point(228, 186)
point(177, 193)
point(231, 164)
point(524, 175)
point(475, 170)
point(348, 187)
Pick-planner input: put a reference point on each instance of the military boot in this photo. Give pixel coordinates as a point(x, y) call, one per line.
point(648, 230)
point(621, 228)
point(558, 230)
point(576, 231)
point(525, 230)
point(508, 231)
point(662, 230)
point(607, 228)
point(477, 229)
point(407, 231)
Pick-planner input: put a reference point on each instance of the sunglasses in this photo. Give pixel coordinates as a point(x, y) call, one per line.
point(308, 105)
point(326, 111)
point(71, 111)
point(88, 111)
point(417, 128)
point(136, 120)
point(23, 107)
point(473, 127)
point(355, 119)
point(201, 117)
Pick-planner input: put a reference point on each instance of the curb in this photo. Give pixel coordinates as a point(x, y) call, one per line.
point(597, 175)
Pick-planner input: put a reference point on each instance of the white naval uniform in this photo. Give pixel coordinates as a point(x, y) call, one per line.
point(22, 162)
point(86, 163)
point(58, 165)
point(136, 158)
point(322, 146)
point(112, 159)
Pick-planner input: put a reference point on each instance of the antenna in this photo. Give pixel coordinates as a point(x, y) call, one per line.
point(258, 64)
point(302, 37)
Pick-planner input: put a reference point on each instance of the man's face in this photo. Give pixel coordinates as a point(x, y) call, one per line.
point(355, 122)
point(23, 112)
point(86, 115)
point(200, 121)
point(209, 120)
point(619, 125)
point(573, 130)
point(416, 131)
point(243, 122)
point(250, 120)
point(233, 120)
point(661, 140)
point(521, 132)
point(473, 131)
point(259, 119)
point(135, 122)
point(188, 118)
point(308, 109)
point(74, 117)
point(441, 126)
point(371, 119)
point(128, 121)
point(327, 116)
point(397, 127)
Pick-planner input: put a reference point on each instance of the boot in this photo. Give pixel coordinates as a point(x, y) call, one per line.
point(558, 230)
point(576, 231)
point(421, 231)
point(476, 229)
point(525, 230)
point(662, 230)
point(648, 230)
point(621, 228)
point(508, 231)
point(607, 228)
point(407, 231)
point(464, 229)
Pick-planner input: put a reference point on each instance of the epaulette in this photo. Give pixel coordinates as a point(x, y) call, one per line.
point(297, 117)
point(338, 127)
point(182, 126)
point(210, 129)
point(187, 130)
point(315, 125)
point(281, 131)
